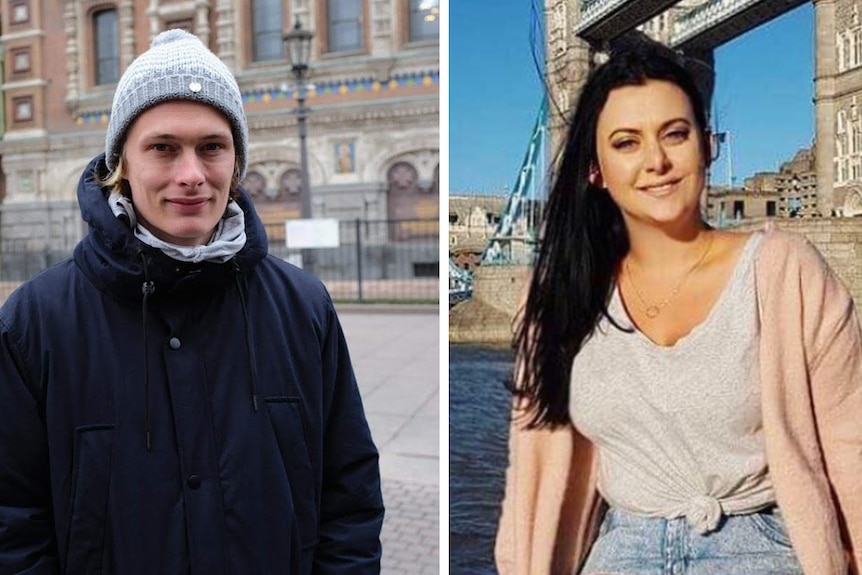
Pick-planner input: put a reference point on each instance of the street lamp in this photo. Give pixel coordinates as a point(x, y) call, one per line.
point(298, 48)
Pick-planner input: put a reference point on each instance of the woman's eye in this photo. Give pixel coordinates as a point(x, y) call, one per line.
point(623, 144)
point(679, 135)
point(161, 147)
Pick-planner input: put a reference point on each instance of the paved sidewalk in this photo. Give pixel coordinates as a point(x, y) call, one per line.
point(396, 357)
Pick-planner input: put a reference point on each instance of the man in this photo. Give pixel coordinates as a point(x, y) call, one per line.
point(172, 399)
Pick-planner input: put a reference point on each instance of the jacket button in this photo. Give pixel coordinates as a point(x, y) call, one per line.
point(194, 481)
point(175, 343)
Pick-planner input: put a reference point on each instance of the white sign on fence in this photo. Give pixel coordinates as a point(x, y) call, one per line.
point(311, 233)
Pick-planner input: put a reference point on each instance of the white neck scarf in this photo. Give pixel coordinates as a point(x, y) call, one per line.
point(228, 239)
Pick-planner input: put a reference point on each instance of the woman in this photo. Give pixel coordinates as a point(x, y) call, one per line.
point(688, 400)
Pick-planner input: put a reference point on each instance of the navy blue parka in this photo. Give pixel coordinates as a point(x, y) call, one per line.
point(211, 427)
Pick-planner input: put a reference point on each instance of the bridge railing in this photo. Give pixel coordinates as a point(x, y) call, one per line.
point(702, 16)
point(376, 261)
point(593, 10)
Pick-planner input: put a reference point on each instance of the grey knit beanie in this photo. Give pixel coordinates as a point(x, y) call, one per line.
point(176, 67)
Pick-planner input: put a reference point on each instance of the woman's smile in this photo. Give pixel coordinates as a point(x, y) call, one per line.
point(659, 190)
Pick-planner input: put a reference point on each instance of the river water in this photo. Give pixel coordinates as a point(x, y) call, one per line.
point(478, 432)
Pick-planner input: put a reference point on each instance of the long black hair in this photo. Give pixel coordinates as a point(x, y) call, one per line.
point(584, 238)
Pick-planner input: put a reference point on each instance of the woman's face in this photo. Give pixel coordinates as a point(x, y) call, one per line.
point(650, 155)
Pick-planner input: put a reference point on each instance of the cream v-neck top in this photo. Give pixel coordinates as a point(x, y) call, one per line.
point(679, 428)
point(811, 388)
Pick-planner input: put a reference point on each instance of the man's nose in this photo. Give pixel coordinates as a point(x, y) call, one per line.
point(190, 170)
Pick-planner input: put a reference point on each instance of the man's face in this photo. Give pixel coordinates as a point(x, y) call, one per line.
point(179, 162)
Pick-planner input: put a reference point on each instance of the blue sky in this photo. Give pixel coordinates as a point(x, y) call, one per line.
point(764, 91)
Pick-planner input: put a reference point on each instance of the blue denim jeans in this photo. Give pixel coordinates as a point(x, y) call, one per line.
point(753, 544)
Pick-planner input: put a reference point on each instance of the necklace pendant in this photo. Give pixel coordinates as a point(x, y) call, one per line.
point(652, 311)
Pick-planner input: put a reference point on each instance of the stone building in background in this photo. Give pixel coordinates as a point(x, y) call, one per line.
point(842, 64)
point(728, 206)
point(791, 192)
point(373, 132)
point(473, 220)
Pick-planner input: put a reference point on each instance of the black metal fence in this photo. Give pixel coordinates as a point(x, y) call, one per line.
point(374, 261)
point(393, 261)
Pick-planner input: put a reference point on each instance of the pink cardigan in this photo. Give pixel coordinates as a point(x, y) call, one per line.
point(811, 376)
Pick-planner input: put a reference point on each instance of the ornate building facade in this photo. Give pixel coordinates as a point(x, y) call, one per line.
point(839, 70)
point(373, 129)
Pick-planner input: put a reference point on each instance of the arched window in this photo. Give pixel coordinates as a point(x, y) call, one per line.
point(267, 18)
point(403, 177)
point(853, 204)
point(106, 47)
point(424, 20)
point(851, 50)
point(402, 183)
point(290, 192)
point(291, 183)
point(344, 25)
point(255, 184)
point(413, 210)
point(839, 46)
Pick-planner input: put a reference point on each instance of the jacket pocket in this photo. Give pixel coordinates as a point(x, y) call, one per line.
point(91, 478)
point(285, 414)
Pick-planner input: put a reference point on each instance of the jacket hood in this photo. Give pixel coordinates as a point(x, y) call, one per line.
point(113, 258)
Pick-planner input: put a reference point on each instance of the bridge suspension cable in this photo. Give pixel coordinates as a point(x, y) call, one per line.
point(515, 238)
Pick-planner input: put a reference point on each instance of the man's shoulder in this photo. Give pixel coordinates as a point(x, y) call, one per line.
point(41, 305)
point(49, 286)
point(296, 284)
point(297, 277)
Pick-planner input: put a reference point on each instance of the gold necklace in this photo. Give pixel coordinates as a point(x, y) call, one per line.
point(652, 310)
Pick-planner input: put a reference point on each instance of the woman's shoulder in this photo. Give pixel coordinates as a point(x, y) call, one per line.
point(791, 263)
point(727, 245)
point(769, 240)
point(778, 255)
point(781, 249)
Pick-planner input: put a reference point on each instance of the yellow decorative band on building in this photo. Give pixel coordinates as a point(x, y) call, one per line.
point(93, 119)
point(344, 88)
point(341, 88)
